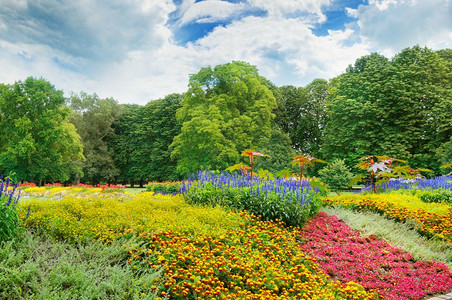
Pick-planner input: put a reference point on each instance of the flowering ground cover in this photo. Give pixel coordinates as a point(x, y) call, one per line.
point(209, 252)
point(432, 219)
point(80, 191)
point(202, 251)
point(398, 234)
point(392, 272)
point(260, 261)
point(106, 219)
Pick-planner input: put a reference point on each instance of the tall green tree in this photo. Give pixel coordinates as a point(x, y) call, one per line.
point(125, 143)
point(143, 135)
point(159, 129)
point(226, 110)
point(399, 107)
point(93, 118)
point(301, 114)
point(37, 143)
point(279, 149)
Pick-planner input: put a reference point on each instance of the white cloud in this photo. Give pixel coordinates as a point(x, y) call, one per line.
point(352, 12)
point(127, 51)
point(272, 44)
point(210, 11)
point(383, 4)
point(285, 51)
point(390, 25)
point(285, 7)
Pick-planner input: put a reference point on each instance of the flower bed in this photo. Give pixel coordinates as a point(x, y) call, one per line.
point(431, 219)
point(442, 182)
point(107, 219)
point(293, 202)
point(347, 256)
point(81, 190)
point(260, 261)
point(165, 188)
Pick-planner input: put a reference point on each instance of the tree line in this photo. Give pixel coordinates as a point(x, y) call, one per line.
point(401, 107)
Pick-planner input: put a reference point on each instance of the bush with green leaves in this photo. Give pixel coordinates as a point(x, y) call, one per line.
point(292, 202)
point(9, 221)
point(336, 175)
point(437, 196)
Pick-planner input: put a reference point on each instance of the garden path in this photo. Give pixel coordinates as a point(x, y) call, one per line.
point(442, 297)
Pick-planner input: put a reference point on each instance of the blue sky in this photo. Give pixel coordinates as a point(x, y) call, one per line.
point(136, 51)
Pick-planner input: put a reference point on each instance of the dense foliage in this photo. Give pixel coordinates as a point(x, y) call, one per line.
point(301, 114)
point(399, 107)
point(37, 143)
point(93, 118)
point(142, 137)
point(336, 175)
point(225, 110)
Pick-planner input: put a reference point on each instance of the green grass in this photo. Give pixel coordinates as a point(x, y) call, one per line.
point(334, 193)
point(37, 267)
point(397, 234)
point(134, 190)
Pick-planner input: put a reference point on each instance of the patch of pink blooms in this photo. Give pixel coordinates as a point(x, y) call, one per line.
point(393, 273)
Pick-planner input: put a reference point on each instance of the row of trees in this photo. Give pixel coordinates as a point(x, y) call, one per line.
point(400, 107)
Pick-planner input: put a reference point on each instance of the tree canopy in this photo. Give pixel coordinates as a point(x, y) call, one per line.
point(37, 143)
point(93, 118)
point(143, 135)
point(301, 114)
point(225, 110)
point(400, 107)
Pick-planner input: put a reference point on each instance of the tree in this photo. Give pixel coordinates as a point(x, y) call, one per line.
point(336, 175)
point(93, 118)
point(125, 143)
point(301, 114)
point(37, 142)
point(201, 145)
point(226, 110)
point(279, 149)
point(143, 135)
point(399, 108)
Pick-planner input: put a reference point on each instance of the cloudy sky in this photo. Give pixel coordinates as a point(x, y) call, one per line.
point(136, 51)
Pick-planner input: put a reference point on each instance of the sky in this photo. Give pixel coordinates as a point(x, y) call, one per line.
point(137, 51)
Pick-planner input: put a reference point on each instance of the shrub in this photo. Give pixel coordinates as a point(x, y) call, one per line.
point(336, 175)
point(9, 222)
point(167, 187)
point(293, 202)
point(437, 196)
